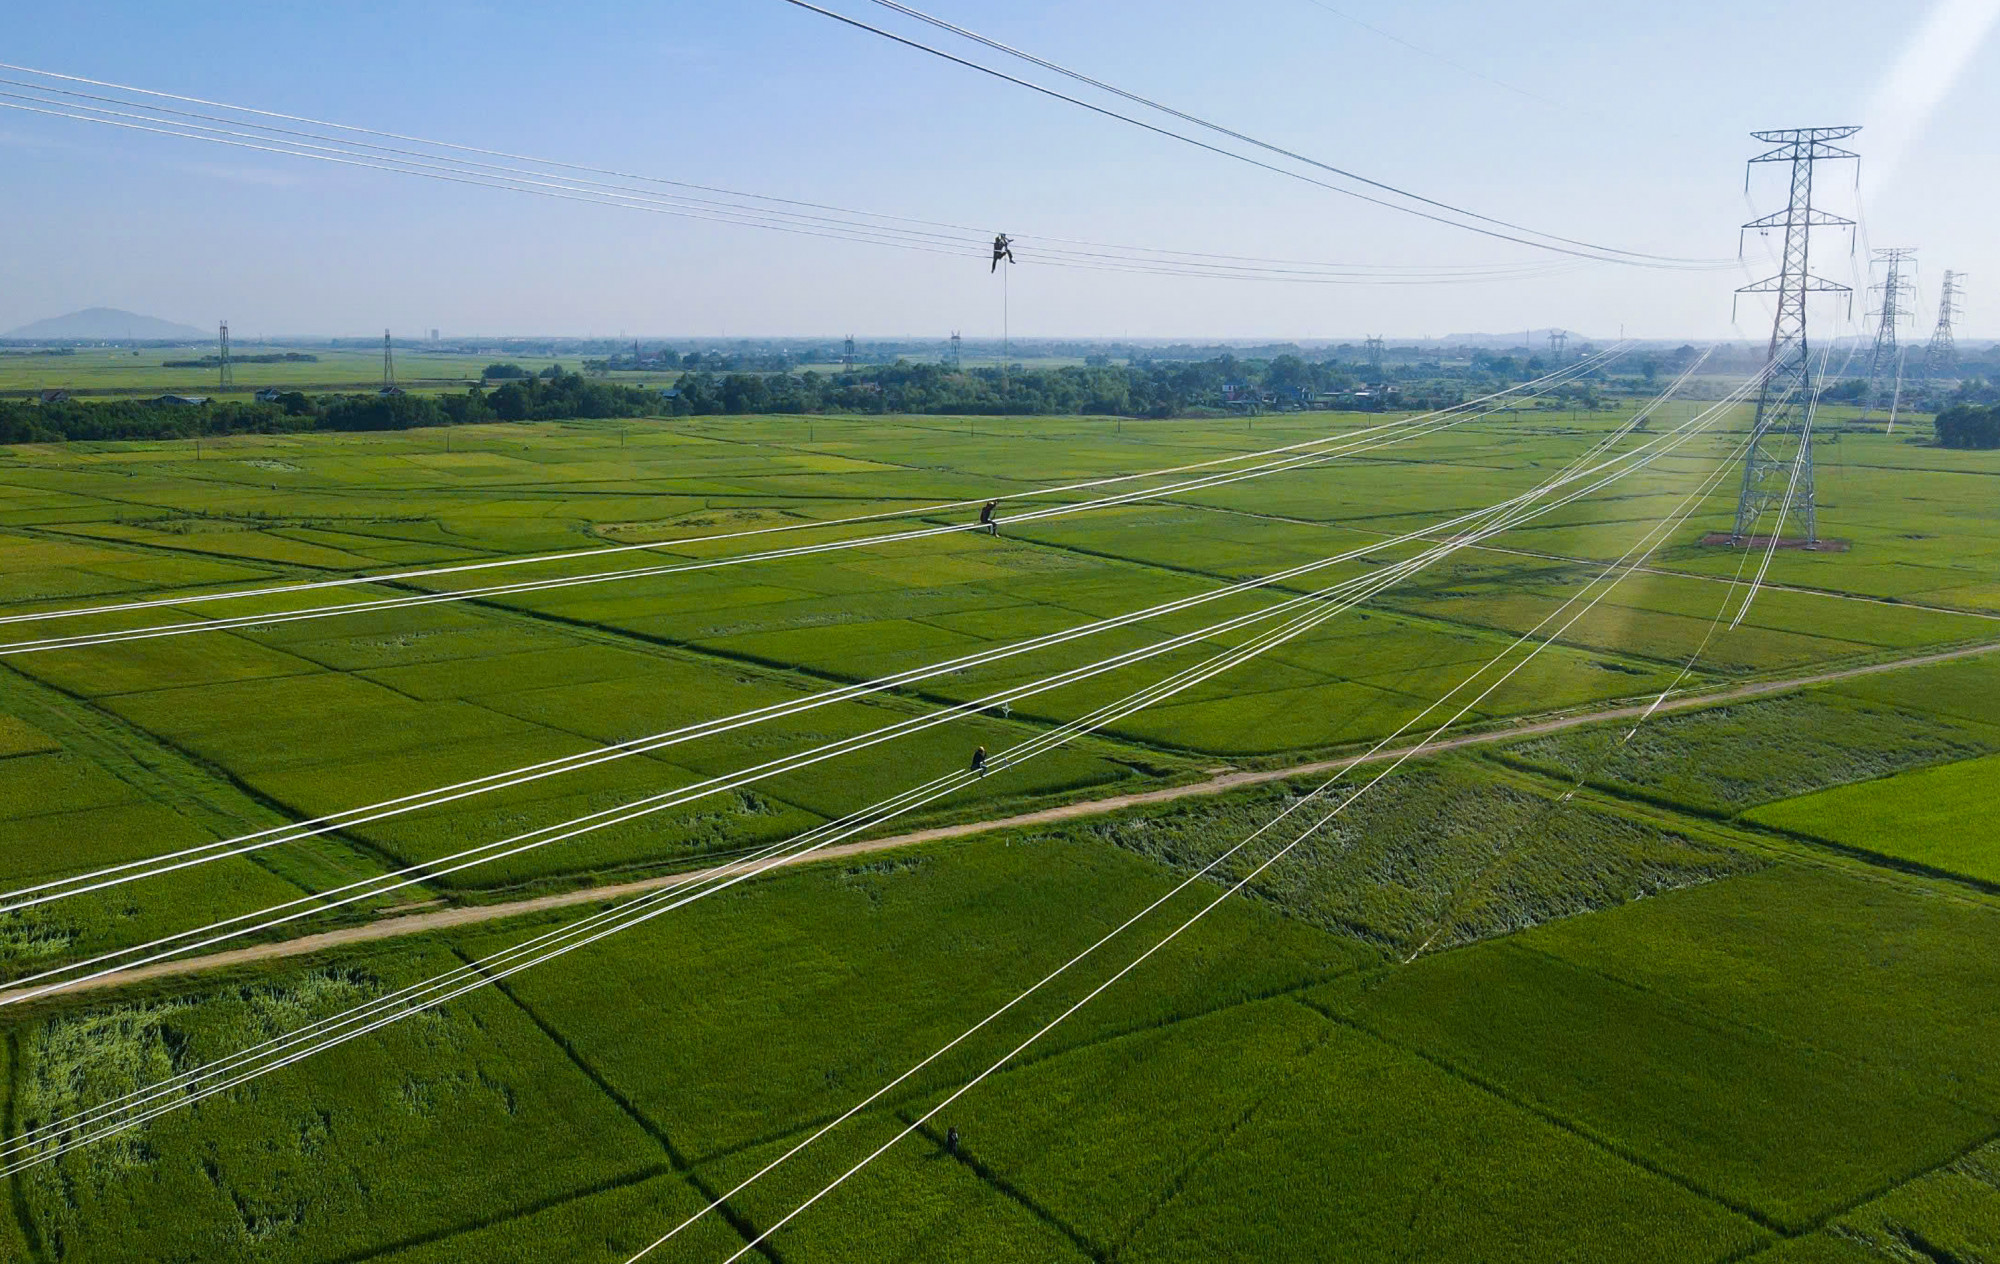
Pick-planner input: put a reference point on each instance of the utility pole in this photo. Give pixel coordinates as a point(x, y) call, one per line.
point(227, 379)
point(1887, 360)
point(1779, 460)
point(1941, 357)
point(388, 363)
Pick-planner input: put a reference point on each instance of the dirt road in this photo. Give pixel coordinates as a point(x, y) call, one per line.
point(394, 926)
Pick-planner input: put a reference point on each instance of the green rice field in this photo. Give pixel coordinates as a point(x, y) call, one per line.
point(1714, 984)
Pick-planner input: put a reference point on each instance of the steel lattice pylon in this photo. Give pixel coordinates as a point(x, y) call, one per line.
point(1941, 357)
point(1780, 437)
point(1886, 362)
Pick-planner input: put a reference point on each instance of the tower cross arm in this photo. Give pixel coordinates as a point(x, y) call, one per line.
point(1794, 135)
point(1815, 217)
point(1809, 284)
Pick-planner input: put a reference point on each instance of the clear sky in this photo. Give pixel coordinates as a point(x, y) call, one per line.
point(1623, 123)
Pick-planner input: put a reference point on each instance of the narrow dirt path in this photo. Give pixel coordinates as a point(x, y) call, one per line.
point(395, 926)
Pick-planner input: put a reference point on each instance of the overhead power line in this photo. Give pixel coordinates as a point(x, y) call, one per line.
point(1440, 212)
point(48, 1141)
point(1631, 563)
point(365, 888)
point(131, 108)
point(1270, 460)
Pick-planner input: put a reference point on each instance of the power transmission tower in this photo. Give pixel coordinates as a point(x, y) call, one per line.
point(1558, 348)
point(388, 363)
point(847, 356)
point(228, 371)
point(954, 351)
point(1375, 360)
point(1887, 360)
point(1779, 460)
point(1941, 357)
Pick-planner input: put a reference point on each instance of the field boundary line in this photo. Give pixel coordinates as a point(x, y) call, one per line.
point(1561, 1123)
point(994, 1180)
point(1177, 1184)
point(396, 926)
point(628, 1181)
point(651, 1127)
point(1283, 992)
point(1877, 1195)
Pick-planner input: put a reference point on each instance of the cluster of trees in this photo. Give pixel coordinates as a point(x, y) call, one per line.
point(1160, 391)
point(1969, 426)
point(564, 396)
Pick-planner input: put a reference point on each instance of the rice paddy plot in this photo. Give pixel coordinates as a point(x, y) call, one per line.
point(1369, 1152)
point(816, 986)
point(1950, 1214)
point(291, 1170)
point(1837, 961)
point(1437, 856)
point(1780, 1130)
point(1726, 759)
point(1940, 818)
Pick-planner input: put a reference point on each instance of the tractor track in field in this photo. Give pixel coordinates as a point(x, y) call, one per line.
point(393, 926)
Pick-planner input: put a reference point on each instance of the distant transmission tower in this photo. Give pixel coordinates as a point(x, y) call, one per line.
point(228, 371)
point(1886, 362)
point(1941, 357)
point(1558, 347)
point(388, 363)
point(1779, 461)
point(1375, 360)
point(847, 356)
point(954, 351)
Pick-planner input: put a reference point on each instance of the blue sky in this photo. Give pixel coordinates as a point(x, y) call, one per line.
point(1621, 123)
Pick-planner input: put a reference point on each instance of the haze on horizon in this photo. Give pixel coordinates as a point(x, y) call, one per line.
point(1627, 127)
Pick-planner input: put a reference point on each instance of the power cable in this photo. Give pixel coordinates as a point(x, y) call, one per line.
point(837, 223)
point(1563, 245)
point(1288, 457)
point(23, 898)
point(187, 1088)
point(1656, 536)
point(228, 929)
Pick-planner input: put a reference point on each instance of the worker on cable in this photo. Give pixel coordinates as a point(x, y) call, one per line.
point(1002, 249)
point(979, 760)
point(986, 517)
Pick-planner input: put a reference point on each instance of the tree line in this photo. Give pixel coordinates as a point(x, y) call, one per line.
point(560, 398)
point(1152, 389)
point(1138, 390)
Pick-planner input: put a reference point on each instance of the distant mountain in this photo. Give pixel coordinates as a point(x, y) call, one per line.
point(107, 324)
